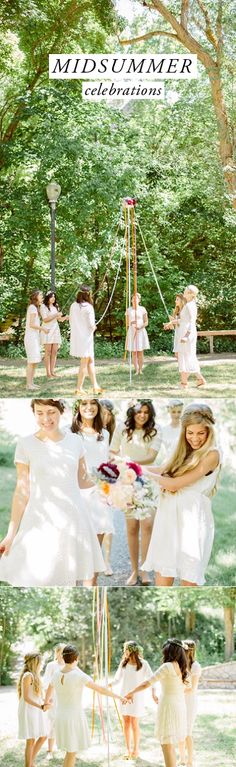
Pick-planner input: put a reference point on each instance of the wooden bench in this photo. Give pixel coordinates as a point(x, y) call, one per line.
point(212, 333)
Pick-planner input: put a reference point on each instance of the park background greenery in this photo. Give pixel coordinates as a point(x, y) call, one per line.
point(166, 156)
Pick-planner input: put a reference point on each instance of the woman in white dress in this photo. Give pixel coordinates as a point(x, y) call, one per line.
point(51, 667)
point(32, 719)
point(187, 339)
point(191, 699)
point(137, 337)
point(82, 328)
point(32, 337)
point(88, 425)
point(171, 432)
point(132, 671)
point(174, 320)
point(109, 423)
point(138, 439)
point(51, 340)
point(183, 530)
point(51, 540)
point(72, 734)
point(171, 724)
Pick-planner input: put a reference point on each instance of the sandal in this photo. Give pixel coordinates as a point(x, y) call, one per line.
point(80, 392)
point(201, 383)
point(98, 391)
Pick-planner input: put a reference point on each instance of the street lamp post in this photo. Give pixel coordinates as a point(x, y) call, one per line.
point(53, 193)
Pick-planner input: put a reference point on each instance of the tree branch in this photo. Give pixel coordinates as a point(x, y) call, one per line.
point(148, 36)
point(184, 13)
point(208, 30)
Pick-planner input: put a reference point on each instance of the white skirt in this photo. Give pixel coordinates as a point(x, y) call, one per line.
point(32, 721)
point(99, 512)
point(72, 733)
point(32, 346)
point(171, 721)
point(136, 341)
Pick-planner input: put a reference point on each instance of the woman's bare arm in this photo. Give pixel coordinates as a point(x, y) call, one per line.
point(19, 503)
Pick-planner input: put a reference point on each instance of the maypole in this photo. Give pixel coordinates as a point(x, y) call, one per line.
point(102, 655)
point(130, 240)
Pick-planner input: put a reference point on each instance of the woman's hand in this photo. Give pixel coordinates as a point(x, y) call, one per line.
point(129, 697)
point(5, 545)
point(155, 698)
point(126, 699)
point(46, 706)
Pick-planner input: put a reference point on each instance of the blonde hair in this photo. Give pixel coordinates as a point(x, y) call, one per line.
point(31, 664)
point(193, 289)
point(185, 458)
point(190, 649)
point(58, 649)
point(176, 311)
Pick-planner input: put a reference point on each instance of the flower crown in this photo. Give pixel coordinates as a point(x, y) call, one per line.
point(199, 409)
point(133, 647)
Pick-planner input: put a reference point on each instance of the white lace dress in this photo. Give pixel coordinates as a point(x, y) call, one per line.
point(72, 733)
point(54, 335)
point(183, 532)
point(82, 326)
point(136, 339)
point(32, 721)
point(129, 677)
point(171, 721)
point(56, 544)
point(191, 699)
point(32, 337)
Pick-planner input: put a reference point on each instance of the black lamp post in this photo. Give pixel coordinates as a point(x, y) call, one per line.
point(53, 193)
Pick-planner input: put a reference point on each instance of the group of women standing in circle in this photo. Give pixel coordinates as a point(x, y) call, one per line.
point(58, 509)
point(82, 328)
point(50, 708)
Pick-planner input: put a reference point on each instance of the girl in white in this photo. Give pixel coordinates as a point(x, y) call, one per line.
point(52, 666)
point(55, 544)
point(137, 337)
point(109, 423)
point(174, 320)
point(33, 721)
point(194, 669)
point(82, 328)
point(52, 338)
point(187, 339)
point(183, 530)
point(133, 670)
point(139, 439)
point(32, 337)
point(88, 425)
point(171, 725)
point(171, 432)
point(72, 734)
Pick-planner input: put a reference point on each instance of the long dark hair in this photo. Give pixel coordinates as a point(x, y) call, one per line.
point(33, 298)
point(149, 427)
point(76, 426)
point(134, 653)
point(84, 294)
point(173, 651)
point(111, 424)
point(47, 297)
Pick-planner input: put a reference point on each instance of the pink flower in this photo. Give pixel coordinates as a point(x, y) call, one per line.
point(136, 467)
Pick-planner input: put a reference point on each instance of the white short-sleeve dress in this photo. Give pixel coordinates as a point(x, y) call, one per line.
point(56, 544)
point(170, 437)
point(187, 351)
point(136, 340)
point(171, 721)
point(71, 726)
point(32, 337)
point(49, 674)
point(191, 698)
point(128, 678)
point(97, 452)
point(82, 326)
point(183, 532)
point(32, 721)
point(54, 335)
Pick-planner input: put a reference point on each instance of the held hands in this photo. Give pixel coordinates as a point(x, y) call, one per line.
point(128, 698)
point(46, 706)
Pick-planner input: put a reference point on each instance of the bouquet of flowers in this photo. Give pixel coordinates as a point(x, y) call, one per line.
point(127, 489)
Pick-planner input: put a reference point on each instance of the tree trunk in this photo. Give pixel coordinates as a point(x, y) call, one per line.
point(229, 632)
point(190, 621)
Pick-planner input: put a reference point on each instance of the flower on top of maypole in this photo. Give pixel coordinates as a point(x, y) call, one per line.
point(129, 202)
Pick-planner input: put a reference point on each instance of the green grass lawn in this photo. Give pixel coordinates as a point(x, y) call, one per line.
point(160, 377)
point(222, 567)
point(214, 739)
